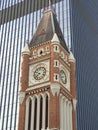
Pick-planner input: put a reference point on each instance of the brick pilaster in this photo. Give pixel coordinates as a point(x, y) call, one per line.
point(72, 79)
point(73, 91)
point(24, 72)
point(21, 122)
point(54, 112)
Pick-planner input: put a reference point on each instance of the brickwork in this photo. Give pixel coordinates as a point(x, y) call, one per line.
point(54, 56)
point(21, 122)
point(74, 118)
point(72, 79)
point(24, 85)
point(24, 72)
point(54, 113)
point(73, 91)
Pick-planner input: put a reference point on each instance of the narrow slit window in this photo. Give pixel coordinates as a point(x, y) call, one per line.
point(56, 77)
point(56, 63)
point(56, 48)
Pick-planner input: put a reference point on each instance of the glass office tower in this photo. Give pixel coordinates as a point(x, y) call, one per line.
point(19, 19)
point(85, 47)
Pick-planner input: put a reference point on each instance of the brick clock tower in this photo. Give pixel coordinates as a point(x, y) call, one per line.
point(48, 87)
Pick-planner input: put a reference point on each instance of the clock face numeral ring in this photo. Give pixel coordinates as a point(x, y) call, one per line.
point(39, 73)
point(63, 77)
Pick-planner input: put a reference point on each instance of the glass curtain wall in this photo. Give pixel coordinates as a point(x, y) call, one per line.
point(19, 19)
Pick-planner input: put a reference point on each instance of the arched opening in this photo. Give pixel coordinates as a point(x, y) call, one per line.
point(47, 105)
point(29, 115)
point(41, 113)
point(35, 114)
point(40, 52)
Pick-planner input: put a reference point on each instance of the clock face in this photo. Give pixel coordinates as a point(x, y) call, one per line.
point(39, 73)
point(63, 77)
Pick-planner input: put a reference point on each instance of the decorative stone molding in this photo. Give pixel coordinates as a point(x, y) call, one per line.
point(26, 50)
point(71, 57)
point(55, 88)
point(21, 97)
point(55, 39)
point(74, 103)
point(46, 129)
point(54, 129)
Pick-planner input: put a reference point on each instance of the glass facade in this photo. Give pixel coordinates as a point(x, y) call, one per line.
point(19, 19)
point(85, 47)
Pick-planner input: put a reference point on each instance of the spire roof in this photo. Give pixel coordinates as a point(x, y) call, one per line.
point(46, 29)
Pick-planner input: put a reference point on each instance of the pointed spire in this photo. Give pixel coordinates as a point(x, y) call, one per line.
point(55, 38)
point(71, 57)
point(26, 49)
point(48, 28)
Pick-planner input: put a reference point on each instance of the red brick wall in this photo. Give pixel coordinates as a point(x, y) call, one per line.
point(25, 72)
point(54, 113)
point(21, 122)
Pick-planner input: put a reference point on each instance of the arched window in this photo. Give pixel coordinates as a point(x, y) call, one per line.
point(29, 115)
point(47, 105)
point(41, 113)
point(41, 52)
point(35, 113)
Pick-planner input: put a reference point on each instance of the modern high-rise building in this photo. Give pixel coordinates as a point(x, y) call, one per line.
point(78, 21)
point(19, 19)
point(85, 47)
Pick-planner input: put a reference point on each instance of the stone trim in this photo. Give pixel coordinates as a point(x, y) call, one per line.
point(55, 88)
point(74, 103)
point(21, 97)
point(65, 113)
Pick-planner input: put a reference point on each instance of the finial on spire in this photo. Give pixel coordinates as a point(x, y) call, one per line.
point(49, 1)
point(49, 7)
point(50, 4)
point(27, 41)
